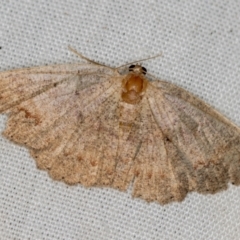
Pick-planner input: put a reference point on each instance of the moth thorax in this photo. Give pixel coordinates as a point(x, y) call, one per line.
point(133, 88)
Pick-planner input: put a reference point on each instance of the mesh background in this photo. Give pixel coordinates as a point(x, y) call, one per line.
point(200, 42)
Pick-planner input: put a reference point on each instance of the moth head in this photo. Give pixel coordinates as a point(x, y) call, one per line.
point(137, 69)
point(134, 84)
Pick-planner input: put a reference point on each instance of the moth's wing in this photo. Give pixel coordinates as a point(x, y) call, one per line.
point(17, 86)
point(74, 123)
point(187, 146)
point(66, 115)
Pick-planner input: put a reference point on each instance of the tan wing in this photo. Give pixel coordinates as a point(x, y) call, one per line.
point(17, 86)
point(187, 146)
point(73, 121)
point(50, 106)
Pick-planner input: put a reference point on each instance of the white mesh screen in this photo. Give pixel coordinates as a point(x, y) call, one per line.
point(200, 42)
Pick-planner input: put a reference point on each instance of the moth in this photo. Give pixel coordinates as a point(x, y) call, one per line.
point(90, 124)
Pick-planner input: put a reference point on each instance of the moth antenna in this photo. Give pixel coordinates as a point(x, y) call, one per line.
point(141, 60)
point(87, 59)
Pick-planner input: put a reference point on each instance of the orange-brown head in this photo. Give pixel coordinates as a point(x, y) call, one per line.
point(134, 84)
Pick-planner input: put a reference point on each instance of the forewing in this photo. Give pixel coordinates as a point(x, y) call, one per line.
point(74, 123)
point(195, 148)
point(18, 86)
point(51, 107)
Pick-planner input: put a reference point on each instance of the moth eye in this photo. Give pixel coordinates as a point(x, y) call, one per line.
point(131, 68)
point(144, 70)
